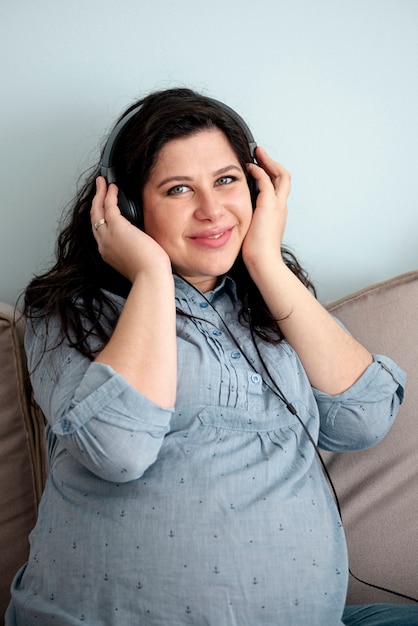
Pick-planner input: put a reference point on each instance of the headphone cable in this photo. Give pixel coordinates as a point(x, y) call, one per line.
point(289, 406)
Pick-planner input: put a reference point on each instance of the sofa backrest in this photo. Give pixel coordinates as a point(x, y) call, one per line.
point(378, 488)
point(22, 459)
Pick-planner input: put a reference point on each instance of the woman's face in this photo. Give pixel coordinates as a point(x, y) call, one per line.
point(197, 206)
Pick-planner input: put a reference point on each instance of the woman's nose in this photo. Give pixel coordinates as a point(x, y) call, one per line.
point(208, 205)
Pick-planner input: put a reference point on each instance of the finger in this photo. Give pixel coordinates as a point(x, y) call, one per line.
point(104, 206)
point(104, 203)
point(268, 183)
point(97, 206)
point(111, 199)
point(276, 174)
point(274, 169)
point(262, 177)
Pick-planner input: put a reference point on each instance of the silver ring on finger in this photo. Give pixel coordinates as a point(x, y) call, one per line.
point(99, 223)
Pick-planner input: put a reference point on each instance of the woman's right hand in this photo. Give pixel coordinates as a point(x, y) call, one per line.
point(121, 244)
point(142, 347)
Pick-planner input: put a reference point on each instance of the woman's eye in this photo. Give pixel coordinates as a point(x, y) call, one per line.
point(177, 190)
point(225, 180)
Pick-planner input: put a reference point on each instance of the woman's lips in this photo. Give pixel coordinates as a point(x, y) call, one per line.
point(213, 240)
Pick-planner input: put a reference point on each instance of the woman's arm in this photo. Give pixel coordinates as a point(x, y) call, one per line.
point(142, 347)
point(101, 420)
point(332, 359)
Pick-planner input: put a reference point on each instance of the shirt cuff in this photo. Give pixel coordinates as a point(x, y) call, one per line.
point(382, 376)
point(106, 395)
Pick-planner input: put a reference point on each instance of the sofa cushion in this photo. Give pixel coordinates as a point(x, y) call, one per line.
point(22, 461)
point(378, 488)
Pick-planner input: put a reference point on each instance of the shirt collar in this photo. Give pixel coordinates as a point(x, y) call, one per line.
point(226, 284)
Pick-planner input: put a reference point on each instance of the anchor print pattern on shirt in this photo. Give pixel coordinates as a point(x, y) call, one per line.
point(230, 520)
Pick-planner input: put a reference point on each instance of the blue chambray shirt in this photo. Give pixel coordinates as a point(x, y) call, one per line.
point(212, 513)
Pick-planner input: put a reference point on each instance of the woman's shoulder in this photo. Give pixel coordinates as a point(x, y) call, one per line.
point(46, 330)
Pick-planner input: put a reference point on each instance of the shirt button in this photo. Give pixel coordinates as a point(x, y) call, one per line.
point(203, 305)
point(255, 378)
point(235, 355)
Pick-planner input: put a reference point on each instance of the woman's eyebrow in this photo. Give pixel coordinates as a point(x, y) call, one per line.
point(174, 179)
point(226, 169)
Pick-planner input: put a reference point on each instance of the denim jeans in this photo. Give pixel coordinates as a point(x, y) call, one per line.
point(381, 615)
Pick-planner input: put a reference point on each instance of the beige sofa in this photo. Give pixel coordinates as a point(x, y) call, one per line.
point(377, 488)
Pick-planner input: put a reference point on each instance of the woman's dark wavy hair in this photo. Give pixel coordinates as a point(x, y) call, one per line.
point(76, 288)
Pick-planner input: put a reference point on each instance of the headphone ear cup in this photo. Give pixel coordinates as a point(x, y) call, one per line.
point(130, 209)
point(253, 185)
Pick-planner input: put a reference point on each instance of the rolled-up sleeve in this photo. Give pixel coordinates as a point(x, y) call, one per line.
point(362, 415)
point(101, 420)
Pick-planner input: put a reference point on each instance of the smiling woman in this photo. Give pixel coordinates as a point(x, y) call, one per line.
point(202, 220)
point(187, 374)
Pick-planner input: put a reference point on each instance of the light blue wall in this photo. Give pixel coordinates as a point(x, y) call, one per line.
point(330, 87)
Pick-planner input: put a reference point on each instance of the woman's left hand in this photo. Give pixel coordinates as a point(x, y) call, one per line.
point(332, 359)
point(263, 240)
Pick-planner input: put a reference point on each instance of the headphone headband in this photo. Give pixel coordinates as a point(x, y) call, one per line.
point(107, 168)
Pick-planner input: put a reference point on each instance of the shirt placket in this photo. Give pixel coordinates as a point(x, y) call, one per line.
point(232, 379)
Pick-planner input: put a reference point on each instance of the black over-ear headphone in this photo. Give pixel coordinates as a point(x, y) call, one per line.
point(131, 209)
